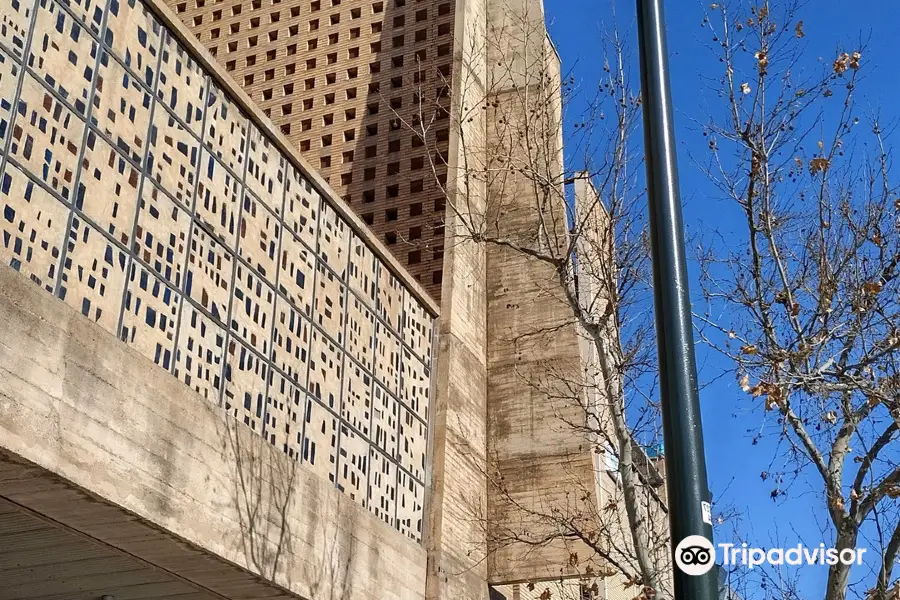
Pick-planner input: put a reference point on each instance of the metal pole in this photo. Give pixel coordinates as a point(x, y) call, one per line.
point(688, 493)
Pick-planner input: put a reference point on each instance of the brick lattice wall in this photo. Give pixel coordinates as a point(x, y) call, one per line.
point(346, 80)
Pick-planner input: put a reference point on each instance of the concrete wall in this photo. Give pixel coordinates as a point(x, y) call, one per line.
point(541, 463)
point(78, 405)
point(456, 542)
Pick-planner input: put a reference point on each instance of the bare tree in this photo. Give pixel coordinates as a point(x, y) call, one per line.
point(581, 235)
point(803, 298)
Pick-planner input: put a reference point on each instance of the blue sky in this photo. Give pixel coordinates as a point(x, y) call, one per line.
point(575, 25)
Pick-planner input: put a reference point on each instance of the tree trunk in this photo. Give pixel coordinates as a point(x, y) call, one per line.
point(839, 574)
point(631, 484)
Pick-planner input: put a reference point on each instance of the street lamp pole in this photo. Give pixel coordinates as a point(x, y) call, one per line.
point(688, 492)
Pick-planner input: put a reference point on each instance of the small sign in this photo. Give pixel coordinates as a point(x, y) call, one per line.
point(707, 512)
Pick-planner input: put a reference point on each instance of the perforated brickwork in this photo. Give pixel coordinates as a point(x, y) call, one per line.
point(138, 192)
point(348, 82)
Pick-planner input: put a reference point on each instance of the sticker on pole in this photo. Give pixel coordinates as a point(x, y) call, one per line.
point(707, 512)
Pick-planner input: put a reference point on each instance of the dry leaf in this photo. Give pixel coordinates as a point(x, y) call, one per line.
point(830, 417)
point(819, 165)
point(854, 60)
point(772, 392)
point(745, 88)
point(749, 349)
point(841, 63)
point(762, 62)
point(873, 287)
point(605, 572)
point(799, 29)
point(745, 383)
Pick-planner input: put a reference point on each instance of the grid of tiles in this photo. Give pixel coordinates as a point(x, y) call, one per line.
point(347, 82)
point(134, 189)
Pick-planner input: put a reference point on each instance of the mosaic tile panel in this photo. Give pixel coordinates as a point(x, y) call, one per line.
point(176, 224)
point(390, 298)
point(15, 17)
point(360, 332)
point(150, 315)
point(174, 156)
point(161, 234)
point(297, 274)
point(417, 328)
point(410, 498)
point(260, 236)
point(265, 171)
point(200, 351)
point(320, 439)
point(385, 421)
point(245, 385)
point(122, 108)
point(363, 271)
point(326, 363)
point(353, 465)
point(108, 192)
point(333, 240)
point(226, 130)
point(252, 308)
point(88, 12)
point(290, 348)
point(9, 81)
point(46, 138)
point(135, 37)
point(301, 208)
point(356, 398)
point(33, 226)
point(415, 384)
point(387, 359)
point(218, 201)
point(382, 492)
point(413, 444)
point(63, 54)
point(284, 416)
point(93, 275)
point(209, 273)
point(182, 84)
point(328, 305)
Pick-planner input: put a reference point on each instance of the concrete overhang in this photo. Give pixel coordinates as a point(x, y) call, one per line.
point(120, 475)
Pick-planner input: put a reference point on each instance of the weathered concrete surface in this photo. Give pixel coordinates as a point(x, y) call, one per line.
point(541, 459)
point(106, 443)
point(456, 507)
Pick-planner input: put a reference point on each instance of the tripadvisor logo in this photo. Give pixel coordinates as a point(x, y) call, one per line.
point(696, 555)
